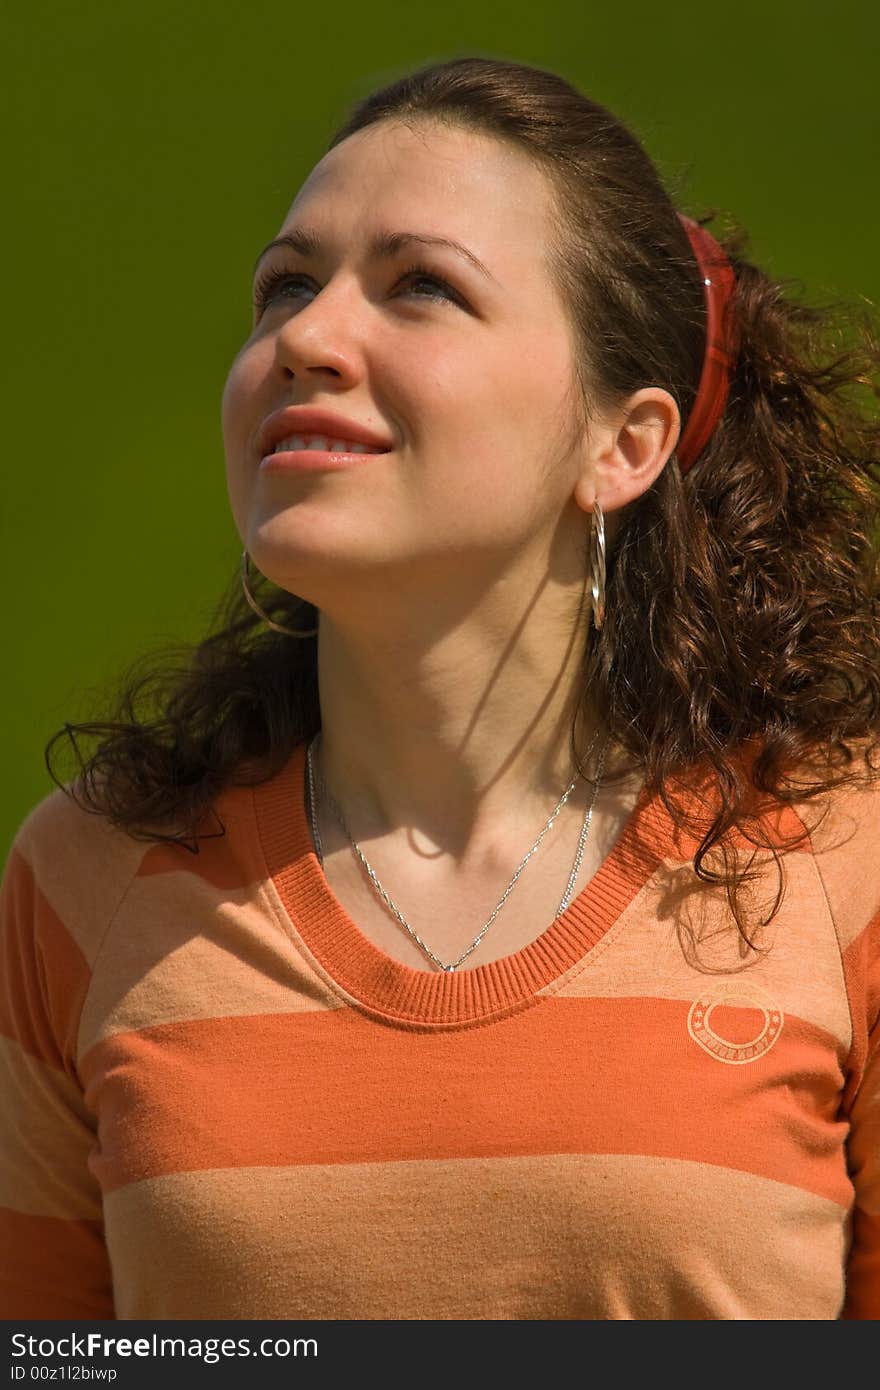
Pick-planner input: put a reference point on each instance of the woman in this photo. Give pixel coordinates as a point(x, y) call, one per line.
point(484, 925)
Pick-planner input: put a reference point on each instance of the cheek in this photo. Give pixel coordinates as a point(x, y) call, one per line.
point(239, 417)
point(233, 405)
point(243, 403)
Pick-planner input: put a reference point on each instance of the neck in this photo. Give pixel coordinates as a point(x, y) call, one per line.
point(461, 734)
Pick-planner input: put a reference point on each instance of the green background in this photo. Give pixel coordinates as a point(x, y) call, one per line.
point(152, 150)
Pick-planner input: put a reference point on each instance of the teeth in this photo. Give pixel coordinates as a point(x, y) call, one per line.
point(321, 442)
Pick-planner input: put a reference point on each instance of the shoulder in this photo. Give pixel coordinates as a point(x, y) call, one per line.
point(67, 870)
point(843, 827)
point(61, 835)
point(826, 810)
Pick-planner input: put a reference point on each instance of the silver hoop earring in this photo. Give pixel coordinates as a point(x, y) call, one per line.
point(277, 627)
point(597, 566)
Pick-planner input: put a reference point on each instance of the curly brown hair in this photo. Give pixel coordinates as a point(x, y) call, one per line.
point(743, 626)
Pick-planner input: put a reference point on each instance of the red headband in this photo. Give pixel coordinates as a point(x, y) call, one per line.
point(721, 344)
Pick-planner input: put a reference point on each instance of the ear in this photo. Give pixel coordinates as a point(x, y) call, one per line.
point(627, 449)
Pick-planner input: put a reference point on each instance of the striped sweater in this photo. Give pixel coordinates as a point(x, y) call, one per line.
point(221, 1100)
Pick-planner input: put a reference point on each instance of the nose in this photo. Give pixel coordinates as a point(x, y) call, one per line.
point(321, 337)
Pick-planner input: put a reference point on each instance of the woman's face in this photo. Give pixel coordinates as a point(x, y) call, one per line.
point(467, 372)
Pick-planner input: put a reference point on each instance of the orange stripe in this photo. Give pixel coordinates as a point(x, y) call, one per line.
point(39, 1008)
point(863, 1268)
point(565, 1076)
point(863, 991)
point(61, 1268)
point(223, 861)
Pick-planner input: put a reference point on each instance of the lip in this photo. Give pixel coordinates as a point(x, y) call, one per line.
point(308, 419)
point(313, 461)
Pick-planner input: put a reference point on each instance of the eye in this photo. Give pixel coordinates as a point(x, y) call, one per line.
point(269, 285)
point(274, 283)
point(420, 273)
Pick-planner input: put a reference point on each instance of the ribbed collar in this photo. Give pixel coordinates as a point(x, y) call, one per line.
point(431, 997)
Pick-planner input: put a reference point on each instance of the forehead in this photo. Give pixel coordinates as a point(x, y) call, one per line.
point(441, 180)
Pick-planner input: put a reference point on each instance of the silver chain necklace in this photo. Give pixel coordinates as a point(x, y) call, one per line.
point(337, 811)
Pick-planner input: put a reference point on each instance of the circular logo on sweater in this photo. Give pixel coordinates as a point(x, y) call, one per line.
point(735, 1022)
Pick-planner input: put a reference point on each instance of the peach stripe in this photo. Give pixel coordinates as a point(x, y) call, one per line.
point(636, 958)
point(83, 864)
point(247, 957)
point(183, 950)
point(336, 1088)
point(844, 846)
point(556, 1236)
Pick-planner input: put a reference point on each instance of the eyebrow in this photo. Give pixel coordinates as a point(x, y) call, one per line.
point(383, 245)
